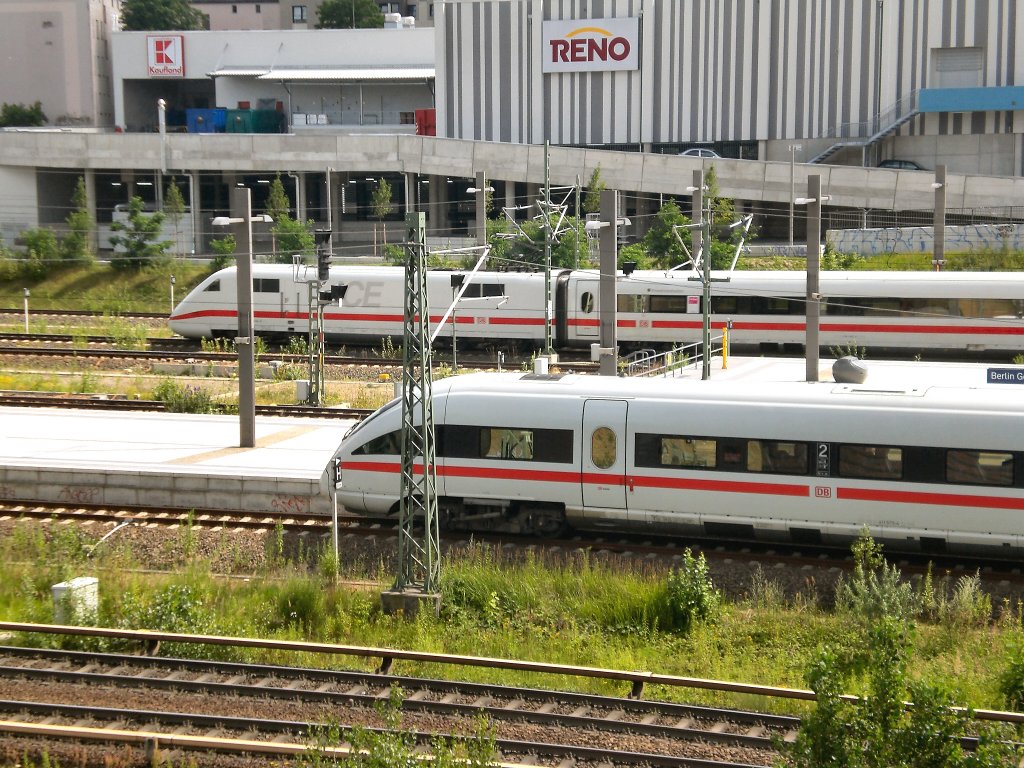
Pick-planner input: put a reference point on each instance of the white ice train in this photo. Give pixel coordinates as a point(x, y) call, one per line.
point(958, 311)
point(927, 469)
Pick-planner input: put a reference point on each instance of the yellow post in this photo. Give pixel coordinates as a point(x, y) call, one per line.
point(725, 347)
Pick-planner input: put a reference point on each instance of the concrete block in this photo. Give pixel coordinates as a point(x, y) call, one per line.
point(76, 601)
point(155, 497)
point(121, 495)
point(191, 483)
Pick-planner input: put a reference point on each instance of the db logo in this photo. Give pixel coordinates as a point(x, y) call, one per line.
point(644, 323)
point(822, 492)
point(481, 321)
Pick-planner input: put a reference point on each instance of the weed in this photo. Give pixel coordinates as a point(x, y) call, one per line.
point(387, 349)
point(849, 350)
point(184, 399)
point(297, 345)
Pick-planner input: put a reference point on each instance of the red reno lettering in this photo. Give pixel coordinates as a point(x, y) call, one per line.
point(582, 50)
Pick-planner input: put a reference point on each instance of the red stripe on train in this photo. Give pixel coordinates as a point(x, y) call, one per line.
point(931, 498)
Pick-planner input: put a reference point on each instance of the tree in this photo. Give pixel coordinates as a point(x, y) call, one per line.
point(77, 244)
point(350, 14)
point(137, 246)
point(663, 247)
point(174, 208)
point(279, 205)
point(159, 15)
point(293, 237)
point(592, 200)
point(20, 116)
point(290, 235)
point(382, 205)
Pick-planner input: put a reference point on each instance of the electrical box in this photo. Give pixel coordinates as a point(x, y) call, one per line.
point(76, 601)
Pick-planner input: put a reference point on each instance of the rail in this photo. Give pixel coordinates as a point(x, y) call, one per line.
point(151, 642)
point(649, 362)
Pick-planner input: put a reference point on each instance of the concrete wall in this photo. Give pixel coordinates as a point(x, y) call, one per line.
point(57, 52)
point(191, 490)
point(19, 203)
point(961, 239)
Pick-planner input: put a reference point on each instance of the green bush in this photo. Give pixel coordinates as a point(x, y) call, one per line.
point(184, 399)
point(689, 596)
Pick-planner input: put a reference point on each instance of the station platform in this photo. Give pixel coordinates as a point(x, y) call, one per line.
point(180, 461)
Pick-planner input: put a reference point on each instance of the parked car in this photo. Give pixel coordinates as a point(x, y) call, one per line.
point(699, 152)
point(901, 165)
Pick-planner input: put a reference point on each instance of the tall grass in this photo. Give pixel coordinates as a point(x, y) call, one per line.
point(572, 608)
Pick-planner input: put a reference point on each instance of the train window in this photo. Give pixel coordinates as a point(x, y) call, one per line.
point(603, 447)
point(874, 462)
point(630, 302)
point(472, 442)
point(777, 457)
point(389, 444)
point(473, 291)
point(586, 302)
point(266, 285)
point(504, 443)
point(979, 467)
point(731, 455)
point(668, 304)
point(778, 305)
point(213, 287)
point(493, 289)
point(674, 451)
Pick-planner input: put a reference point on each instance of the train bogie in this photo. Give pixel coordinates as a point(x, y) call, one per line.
point(926, 468)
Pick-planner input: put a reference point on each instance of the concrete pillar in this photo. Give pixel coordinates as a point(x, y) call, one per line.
point(609, 240)
point(194, 210)
point(89, 176)
point(301, 211)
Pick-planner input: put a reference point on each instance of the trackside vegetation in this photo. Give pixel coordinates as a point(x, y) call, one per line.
point(875, 635)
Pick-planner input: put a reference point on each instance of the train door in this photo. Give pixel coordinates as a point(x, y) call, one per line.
point(588, 321)
point(604, 454)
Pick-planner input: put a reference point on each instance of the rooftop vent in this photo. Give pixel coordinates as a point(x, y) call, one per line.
point(849, 370)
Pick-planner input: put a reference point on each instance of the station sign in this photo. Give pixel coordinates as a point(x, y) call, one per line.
point(1005, 376)
point(591, 45)
point(165, 55)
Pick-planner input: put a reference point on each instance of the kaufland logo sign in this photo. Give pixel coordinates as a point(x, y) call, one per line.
point(591, 45)
point(166, 54)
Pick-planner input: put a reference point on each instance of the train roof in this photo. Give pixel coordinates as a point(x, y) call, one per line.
point(882, 392)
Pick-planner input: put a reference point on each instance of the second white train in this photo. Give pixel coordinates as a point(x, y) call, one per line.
point(958, 311)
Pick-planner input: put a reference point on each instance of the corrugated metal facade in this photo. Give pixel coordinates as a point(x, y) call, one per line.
point(717, 70)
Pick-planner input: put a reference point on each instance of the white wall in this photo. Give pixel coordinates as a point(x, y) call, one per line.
point(19, 202)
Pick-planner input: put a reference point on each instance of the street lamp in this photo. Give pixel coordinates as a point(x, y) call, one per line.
point(241, 200)
point(792, 185)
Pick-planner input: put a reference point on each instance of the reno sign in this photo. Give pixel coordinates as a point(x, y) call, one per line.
point(591, 45)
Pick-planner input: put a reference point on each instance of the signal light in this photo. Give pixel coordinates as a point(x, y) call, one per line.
point(323, 266)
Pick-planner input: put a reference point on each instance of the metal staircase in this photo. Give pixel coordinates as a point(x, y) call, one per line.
point(890, 121)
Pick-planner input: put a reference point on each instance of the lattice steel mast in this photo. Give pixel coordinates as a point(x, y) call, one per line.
point(419, 559)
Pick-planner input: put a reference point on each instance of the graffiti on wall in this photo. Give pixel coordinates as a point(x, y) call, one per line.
point(971, 238)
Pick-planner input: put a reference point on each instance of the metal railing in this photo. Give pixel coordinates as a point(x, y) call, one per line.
point(682, 357)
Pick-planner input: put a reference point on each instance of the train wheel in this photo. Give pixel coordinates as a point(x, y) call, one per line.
point(546, 521)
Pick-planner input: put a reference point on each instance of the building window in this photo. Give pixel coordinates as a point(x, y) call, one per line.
point(234, 9)
point(298, 14)
point(258, 9)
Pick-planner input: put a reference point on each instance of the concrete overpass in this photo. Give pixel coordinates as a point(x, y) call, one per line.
point(24, 152)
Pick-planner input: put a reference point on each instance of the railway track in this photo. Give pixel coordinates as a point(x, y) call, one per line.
point(105, 403)
point(179, 348)
point(538, 726)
